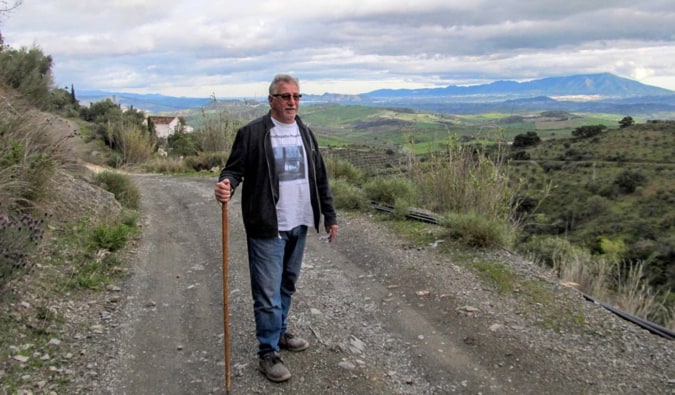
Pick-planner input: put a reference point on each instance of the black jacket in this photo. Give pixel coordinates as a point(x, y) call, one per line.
point(251, 161)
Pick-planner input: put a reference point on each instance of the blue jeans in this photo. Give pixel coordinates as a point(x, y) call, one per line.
point(274, 266)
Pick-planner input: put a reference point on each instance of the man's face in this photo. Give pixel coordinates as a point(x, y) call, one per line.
point(285, 102)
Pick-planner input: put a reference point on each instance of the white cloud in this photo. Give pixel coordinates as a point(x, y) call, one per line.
point(199, 47)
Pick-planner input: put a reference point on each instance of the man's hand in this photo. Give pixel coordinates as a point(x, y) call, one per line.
point(223, 191)
point(332, 231)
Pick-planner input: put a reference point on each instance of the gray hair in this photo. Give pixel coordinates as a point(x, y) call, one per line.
point(279, 78)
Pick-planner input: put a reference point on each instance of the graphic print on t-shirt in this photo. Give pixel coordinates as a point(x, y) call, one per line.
point(289, 161)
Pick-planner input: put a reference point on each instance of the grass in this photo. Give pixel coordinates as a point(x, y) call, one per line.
point(121, 186)
point(503, 278)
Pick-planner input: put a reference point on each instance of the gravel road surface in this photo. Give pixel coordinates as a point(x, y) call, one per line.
point(383, 317)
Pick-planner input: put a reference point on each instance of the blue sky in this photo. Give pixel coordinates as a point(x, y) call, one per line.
point(199, 48)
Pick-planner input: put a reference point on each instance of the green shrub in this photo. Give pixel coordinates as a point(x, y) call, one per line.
point(89, 252)
point(121, 186)
point(477, 231)
point(342, 169)
point(135, 144)
point(549, 250)
point(206, 161)
point(183, 144)
point(166, 165)
point(390, 191)
point(29, 72)
point(464, 179)
point(216, 134)
point(347, 195)
point(29, 157)
point(628, 181)
point(111, 237)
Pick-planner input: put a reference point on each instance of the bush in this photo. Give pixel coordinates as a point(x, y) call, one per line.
point(216, 134)
point(135, 144)
point(342, 169)
point(347, 195)
point(111, 237)
point(165, 165)
point(465, 180)
point(549, 250)
point(588, 131)
point(29, 157)
point(121, 186)
point(526, 140)
point(477, 231)
point(29, 72)
point(206, 161)
point(390, 191)
point(628, 181)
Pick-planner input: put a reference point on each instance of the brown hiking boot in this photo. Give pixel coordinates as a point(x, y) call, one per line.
point(273, 368)
point(290, 342)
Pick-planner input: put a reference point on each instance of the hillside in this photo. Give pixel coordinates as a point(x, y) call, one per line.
point(617, 185)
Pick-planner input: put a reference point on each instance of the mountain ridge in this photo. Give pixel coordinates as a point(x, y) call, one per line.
point(604, 91)
point(604, 84)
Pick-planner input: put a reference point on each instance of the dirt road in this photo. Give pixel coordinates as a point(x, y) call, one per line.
point(382, 318)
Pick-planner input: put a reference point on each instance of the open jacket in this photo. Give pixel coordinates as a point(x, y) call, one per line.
point(251, 161)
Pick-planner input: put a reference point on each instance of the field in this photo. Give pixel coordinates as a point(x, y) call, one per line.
point(423, 132)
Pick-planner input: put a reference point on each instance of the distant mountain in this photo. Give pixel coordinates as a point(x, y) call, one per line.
point(603, 85)
point(602, 92)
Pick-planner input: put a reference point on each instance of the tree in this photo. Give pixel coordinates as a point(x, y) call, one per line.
point(29, 71)
point(628, 181)
point(588, 131)
point(626, 122)
point(526, 140)
point(73, 99)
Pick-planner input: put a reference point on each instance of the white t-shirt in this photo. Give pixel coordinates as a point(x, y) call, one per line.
point(294, 207)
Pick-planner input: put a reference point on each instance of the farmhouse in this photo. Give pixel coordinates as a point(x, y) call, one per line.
point(168, 125)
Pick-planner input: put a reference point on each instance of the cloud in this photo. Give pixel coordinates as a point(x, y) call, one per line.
point(200, 47)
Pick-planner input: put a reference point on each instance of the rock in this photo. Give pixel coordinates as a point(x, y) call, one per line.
point(468, 309)
point(96, 328)
point(347, 365)
point(356, 346)
point(21, 358)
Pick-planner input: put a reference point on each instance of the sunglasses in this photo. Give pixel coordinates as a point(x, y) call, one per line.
point(287, 96)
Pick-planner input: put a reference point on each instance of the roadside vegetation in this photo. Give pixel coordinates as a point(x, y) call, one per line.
point(595, 206)
point(51, 249)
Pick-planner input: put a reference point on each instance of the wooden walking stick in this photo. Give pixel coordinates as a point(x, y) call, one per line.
point(226, 294)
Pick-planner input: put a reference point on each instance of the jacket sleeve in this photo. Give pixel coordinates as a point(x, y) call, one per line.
point(235, 166)
point(323, 187)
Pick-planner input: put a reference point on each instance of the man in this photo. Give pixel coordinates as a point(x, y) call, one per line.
point(285, 191)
